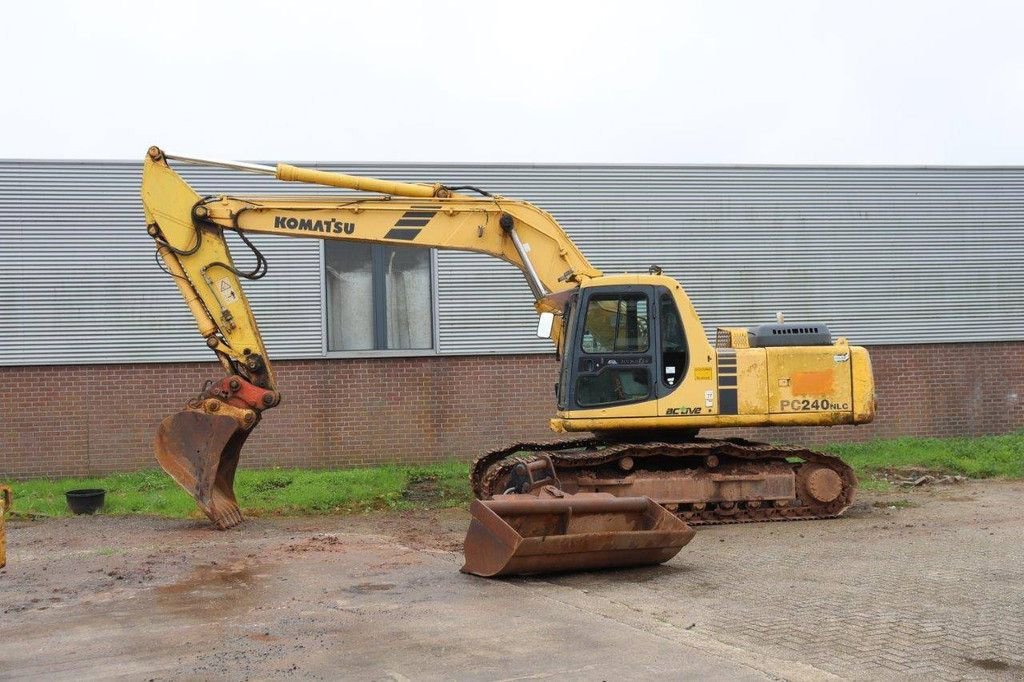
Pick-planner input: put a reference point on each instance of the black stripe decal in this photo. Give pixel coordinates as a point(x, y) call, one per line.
point(728, 389)
point(412, 222)
point(727, 401)
point(396, 233)
point(420, 214)
point(428, 208)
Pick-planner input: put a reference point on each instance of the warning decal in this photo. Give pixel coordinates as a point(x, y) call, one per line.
point(227, 292)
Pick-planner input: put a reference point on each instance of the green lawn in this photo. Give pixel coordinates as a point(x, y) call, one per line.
point(303, 491)
point(979, 457)
point(264, 491)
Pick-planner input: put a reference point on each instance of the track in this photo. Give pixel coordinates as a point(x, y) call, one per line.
point(491, 473)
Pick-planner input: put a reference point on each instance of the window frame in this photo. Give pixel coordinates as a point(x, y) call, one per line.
point(661, 294)
point(570, 400)
point(384, 352)
point(615, 403)
point(621, 296)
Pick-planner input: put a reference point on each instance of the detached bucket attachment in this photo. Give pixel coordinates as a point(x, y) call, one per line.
point(525, 534)
point(200, 451)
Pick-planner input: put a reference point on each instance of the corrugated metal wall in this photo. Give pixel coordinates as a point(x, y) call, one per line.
point(886, 255)
point(79, 283)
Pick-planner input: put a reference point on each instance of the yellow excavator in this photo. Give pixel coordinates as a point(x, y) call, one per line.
point(638, 375)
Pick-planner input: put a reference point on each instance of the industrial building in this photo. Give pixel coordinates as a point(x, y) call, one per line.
point(403, 355)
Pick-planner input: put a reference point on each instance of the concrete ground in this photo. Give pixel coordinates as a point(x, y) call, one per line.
point(924, 584)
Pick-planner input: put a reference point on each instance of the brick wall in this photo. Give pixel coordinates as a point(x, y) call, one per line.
point(92, 419)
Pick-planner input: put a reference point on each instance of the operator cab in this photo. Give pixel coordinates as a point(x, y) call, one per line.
point(622, 344)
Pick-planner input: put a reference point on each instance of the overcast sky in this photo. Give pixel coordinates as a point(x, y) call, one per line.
point(552, 81)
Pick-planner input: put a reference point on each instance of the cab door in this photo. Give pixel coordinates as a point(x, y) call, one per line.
point(679, 394)
point(612, 361)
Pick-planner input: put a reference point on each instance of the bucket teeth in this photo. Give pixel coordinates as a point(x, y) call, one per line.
point(200, 451)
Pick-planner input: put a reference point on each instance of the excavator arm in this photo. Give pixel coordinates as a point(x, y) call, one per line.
point(199, 446)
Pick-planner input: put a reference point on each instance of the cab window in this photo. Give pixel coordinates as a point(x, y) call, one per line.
point(613, 385)
point(673, 342)
point(616, 323)
point(615, 326)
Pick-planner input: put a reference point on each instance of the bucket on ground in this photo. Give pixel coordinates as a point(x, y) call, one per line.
point(5, 506)
point(555, 531)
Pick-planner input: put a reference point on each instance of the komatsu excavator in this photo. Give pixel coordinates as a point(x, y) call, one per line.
point(637, 372)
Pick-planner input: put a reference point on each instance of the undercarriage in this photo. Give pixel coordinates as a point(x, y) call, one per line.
point(702, 481)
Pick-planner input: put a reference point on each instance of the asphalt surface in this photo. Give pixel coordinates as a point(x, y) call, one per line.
point(933, 590)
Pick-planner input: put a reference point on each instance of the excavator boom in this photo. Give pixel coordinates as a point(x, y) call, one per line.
point(200, 446)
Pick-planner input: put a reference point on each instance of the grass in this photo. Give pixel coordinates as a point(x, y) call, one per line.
point(306, 491)
point(264, 492)
point(978, 457)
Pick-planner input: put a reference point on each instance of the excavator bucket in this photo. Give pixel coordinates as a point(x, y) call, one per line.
point(526, 534)
point(200, 451)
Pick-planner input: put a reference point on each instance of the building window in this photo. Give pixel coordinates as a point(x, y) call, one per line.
point(378, 297)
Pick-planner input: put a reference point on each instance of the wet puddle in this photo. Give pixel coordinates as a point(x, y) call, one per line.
point(212, 590)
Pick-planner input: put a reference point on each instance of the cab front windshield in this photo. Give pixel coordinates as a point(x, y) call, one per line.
point(616, 323)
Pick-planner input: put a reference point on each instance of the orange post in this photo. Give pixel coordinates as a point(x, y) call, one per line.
point(5, 505)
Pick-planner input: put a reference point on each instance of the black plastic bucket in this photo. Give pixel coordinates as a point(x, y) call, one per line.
point(85, 501)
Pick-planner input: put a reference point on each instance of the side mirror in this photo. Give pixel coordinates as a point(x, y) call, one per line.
point(544, 325)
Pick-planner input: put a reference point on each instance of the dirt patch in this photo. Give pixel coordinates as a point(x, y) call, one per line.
point(917, 476)
point(989, 664)
point(422, 490)
point(321, 542)
point(211, 589)
point(901, 503)
point(363, 588)
point(440, 529)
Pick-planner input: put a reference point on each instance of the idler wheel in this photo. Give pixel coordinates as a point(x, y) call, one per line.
point(823, 485)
